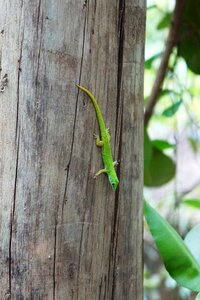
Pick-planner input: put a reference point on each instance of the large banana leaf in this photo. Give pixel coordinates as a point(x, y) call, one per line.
point(192, 241)
point(198, 296)
point(178, 260)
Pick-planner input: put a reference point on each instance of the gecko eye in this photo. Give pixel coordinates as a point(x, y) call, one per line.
point(114, 185)
point(114, 182)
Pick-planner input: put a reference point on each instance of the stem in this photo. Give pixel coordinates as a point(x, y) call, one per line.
point(170, 43)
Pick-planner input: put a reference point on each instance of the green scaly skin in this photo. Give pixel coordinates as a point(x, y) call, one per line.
point(104, 142)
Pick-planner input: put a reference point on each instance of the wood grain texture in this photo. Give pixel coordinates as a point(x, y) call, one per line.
point(62, 234)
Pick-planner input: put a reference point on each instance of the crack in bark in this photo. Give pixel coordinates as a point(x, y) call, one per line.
point(38, 116)
point(13, 216)
point(40, 42)
point(79, 256)
point(55, 253)
point(17, 142)
point(76, 107)
point(0, 61)
point(120, 55)
point(18, 80)
point(114, 234)
point(100, 287)
point(38, 16)
point(55, 245)
point(119, 115)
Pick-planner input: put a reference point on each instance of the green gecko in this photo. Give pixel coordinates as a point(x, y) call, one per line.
point(104, 142)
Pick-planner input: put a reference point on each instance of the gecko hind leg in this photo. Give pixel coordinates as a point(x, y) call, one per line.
point(99, 173)
point(115, 163)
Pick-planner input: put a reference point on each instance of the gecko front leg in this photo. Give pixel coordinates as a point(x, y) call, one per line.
point(99, 142)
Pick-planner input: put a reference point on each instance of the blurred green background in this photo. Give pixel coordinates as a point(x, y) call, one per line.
point(172, 136)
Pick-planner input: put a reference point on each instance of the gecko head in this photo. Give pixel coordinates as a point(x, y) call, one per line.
point(113, 181)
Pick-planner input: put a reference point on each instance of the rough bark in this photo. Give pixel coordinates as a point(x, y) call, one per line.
point(62, 234)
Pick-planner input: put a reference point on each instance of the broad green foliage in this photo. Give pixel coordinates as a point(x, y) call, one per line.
point(198, 297)
point(194, 144)
point(181, 258)
point(150, 61)
point(188, 49)
point(158, 167)
point(192, 241)
point(192, 202)
point(189, 35)
point(162, 144)
point(161, 169)
point(165, 21)
point(172, 109)
point(166, 92)
point(178, 259)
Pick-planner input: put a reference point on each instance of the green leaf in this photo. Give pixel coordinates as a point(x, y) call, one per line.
point(192, 202)
point(171, 110)
point(178, 259)
point(165, 92)
point(162, 144)
point(189, 50)
point(194, 144)
point(147, 149)
point(165, 21)
point(192, 242)
point(161, 169)
point(189, 35)
point(149, 61)
point(198, 297)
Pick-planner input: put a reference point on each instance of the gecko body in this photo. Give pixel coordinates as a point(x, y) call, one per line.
point(104, 143)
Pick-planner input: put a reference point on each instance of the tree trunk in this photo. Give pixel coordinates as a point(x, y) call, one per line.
point(64, 235)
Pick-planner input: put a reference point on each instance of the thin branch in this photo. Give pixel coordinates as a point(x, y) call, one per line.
point(170, 43)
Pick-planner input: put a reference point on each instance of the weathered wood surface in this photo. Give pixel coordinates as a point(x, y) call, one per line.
point(62, 234)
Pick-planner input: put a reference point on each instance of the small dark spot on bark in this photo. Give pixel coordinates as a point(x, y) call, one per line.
point(2, 31)
point(67, 167)
point(4, 82)
point(8, 259)
point(72, 270)
point(47, 18)
point(37, 82)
